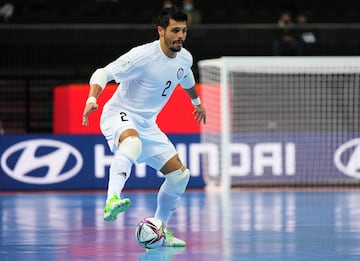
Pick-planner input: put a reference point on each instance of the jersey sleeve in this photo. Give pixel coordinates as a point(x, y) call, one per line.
point(123, 69)
point(188, 81)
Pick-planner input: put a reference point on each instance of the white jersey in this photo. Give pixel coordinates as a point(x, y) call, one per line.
point(147, 79)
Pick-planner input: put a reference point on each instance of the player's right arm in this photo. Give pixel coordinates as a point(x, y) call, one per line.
point(98, 81)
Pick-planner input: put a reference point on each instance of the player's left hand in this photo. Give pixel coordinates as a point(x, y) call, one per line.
point(200, 113)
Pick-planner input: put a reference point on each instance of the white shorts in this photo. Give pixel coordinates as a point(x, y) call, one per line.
point(157, 149)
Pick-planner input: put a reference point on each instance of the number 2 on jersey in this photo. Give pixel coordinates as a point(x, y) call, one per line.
point(123, 116)
point(168, 84)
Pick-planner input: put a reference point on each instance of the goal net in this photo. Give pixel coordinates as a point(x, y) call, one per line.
point(281, 121)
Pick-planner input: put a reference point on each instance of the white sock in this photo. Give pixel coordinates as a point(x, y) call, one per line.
point(166, 204)
point(170, 193)
point(120, 170)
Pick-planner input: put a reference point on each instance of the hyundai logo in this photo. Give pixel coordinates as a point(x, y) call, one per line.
point(347, 158)
point(41, 161)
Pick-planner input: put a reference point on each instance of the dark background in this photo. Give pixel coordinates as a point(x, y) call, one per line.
point(48, 43)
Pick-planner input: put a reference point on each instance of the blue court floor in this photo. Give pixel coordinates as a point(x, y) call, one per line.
point(245, 225)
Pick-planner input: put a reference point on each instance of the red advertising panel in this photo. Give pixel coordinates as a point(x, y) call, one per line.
point(69, 101)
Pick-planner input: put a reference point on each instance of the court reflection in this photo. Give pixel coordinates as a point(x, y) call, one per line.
point(244, 225)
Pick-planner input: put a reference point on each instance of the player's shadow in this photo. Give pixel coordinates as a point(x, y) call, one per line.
point(161, 254)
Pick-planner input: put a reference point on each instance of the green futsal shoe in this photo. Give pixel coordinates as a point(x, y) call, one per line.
point(114, 207)
point(171, 241)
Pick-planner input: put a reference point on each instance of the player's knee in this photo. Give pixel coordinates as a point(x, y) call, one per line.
point(131, 147)
point(179, 180)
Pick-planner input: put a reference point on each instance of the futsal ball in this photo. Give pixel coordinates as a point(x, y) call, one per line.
point(150, 233)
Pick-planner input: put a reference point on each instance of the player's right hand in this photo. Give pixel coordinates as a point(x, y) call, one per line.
point(90, 107)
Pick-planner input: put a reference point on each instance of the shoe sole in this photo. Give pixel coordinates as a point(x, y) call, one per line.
point(175, 245)
point(116, 209)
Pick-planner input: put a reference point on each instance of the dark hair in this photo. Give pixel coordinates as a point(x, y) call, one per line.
point(173, 12)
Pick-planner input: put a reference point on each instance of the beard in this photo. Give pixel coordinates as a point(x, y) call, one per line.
point(173, 49)
point(175, 46)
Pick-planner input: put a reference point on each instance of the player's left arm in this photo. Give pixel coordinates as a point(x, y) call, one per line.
point(199, 112)
point(188, 84)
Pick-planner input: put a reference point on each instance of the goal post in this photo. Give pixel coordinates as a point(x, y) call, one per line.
point(281, 121)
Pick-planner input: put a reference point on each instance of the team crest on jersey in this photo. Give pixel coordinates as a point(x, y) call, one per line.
point(180, 73)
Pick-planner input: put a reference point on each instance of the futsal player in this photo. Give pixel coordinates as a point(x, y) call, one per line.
point(148, 74)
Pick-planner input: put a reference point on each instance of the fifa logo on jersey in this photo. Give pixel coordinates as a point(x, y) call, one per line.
point(347, 158)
